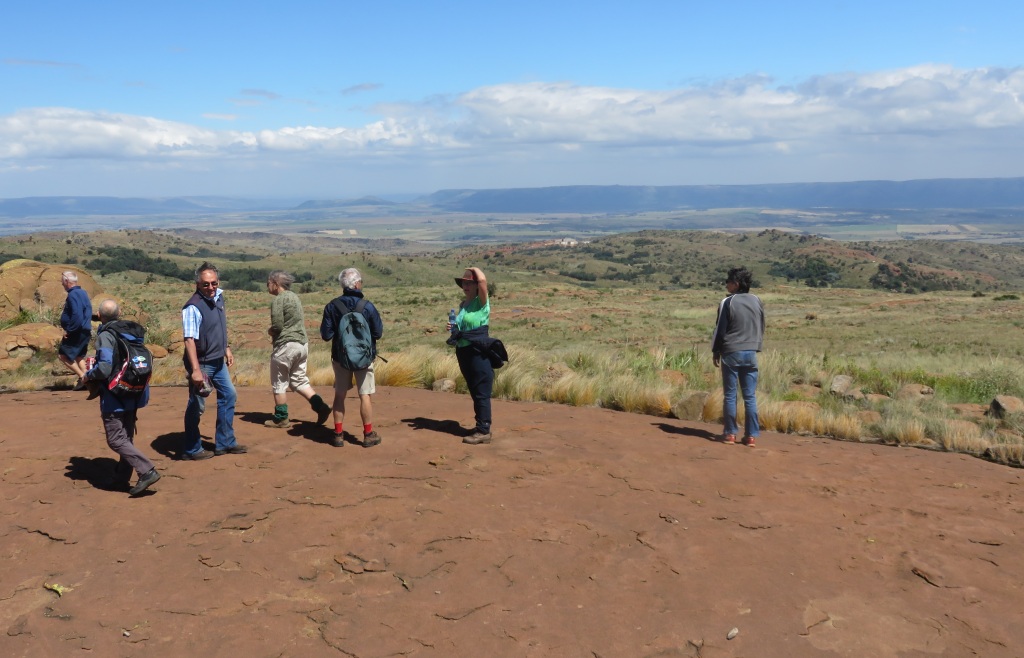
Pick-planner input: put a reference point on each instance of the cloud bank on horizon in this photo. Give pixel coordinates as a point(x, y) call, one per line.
point(915, 121)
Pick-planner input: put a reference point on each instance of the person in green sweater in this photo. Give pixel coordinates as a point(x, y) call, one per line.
point(291, 349)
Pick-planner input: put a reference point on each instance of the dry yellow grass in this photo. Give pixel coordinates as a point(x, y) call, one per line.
point(790, 417)
point(903, 430)
point(574, 389)
point(713, 410)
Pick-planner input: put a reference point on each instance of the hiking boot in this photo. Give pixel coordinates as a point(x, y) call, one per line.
point(323, 415)
point(339, 440)
point(145, 482)
point(280, 424)
point(237, 449)
point(371, 439)
point(477, 437)
point(197, 456)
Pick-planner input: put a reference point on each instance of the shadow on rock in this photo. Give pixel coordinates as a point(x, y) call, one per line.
point(255, 417)
point(169, 445)
point(687, 431)
point(311, 431)
point(444, 426)
point(100, 472)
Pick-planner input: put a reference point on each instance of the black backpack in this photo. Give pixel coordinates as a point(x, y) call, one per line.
point(133, 363)
point(353, 342)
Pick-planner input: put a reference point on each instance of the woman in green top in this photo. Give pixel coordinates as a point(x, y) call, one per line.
point(291, 349)
point(474, 314)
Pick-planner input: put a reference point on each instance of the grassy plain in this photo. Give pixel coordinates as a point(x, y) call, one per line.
point(634, 342)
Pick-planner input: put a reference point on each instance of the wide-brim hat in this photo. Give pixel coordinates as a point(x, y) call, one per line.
point(468, 275)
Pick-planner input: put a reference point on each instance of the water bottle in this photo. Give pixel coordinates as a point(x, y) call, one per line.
point(451, 320)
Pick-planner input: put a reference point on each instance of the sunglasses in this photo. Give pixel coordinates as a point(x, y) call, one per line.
point(209, 284)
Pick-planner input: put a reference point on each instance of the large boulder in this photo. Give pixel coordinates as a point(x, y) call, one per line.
point(690, 405)
point(840, 385)
point(1005, 404)
point(24, 340)
point(444, 385)
point(915, 392)
point(31, 285)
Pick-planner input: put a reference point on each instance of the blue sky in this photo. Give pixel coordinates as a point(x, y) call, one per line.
point(341, 99)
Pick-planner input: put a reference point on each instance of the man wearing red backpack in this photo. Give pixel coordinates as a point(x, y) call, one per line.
point(120, 411)
point(352, 351)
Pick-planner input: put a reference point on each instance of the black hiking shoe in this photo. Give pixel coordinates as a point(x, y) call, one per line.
point(145, 482)
point(371, 439)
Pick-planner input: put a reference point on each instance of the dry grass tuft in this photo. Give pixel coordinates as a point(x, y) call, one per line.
point(903, 430)
point(572, 388)
point(627, 393)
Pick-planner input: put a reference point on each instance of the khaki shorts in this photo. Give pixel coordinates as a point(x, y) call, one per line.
point(343, 379)
point(288, 367)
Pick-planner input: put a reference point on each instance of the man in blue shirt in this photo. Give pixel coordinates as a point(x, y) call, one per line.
point(207, 352)
point(76, 320)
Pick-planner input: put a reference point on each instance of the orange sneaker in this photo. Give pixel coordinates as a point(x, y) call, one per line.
point(749, 441)
point(729, 438)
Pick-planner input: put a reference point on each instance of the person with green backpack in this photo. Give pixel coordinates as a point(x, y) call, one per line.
point(353, 326)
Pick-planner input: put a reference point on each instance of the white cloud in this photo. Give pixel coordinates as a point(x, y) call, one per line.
point(842, 119)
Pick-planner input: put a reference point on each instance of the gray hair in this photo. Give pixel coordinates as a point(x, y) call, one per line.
point(109, 310)
point(282, 279)
point(349, 278)
point(70, 276)
point(207, 266)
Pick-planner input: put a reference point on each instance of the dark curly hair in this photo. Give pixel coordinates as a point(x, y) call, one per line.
point(741, 277)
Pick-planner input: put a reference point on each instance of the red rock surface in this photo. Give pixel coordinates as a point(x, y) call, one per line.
point(578, 532)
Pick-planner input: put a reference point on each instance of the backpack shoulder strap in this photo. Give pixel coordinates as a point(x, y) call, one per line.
point(360, 306)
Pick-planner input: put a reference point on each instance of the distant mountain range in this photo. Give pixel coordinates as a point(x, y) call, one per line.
point(936, 193)
point(974, 193)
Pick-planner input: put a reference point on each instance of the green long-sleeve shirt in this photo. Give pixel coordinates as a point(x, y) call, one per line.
point(287, 320)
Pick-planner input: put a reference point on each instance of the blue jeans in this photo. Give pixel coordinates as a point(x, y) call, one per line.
point(219, 376)
point(742, 367)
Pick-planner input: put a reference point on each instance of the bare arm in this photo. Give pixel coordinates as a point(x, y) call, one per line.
point(193, 360)
point(481, 284)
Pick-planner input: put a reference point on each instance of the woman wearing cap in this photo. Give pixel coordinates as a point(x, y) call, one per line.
point(470, 328)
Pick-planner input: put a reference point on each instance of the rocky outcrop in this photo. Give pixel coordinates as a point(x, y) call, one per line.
point(31, 285)
point(842, 385)
point(444, 385)
point(1005, 404)
point(915, 392)
point(22, 341)
point(690, 405)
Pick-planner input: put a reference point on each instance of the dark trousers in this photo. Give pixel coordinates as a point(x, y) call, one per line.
point(479, 374)
point(120, 429)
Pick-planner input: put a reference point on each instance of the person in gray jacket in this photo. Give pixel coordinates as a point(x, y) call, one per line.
point(738, 337)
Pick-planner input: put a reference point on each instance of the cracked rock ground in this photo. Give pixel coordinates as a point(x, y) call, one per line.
point(578, 532)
